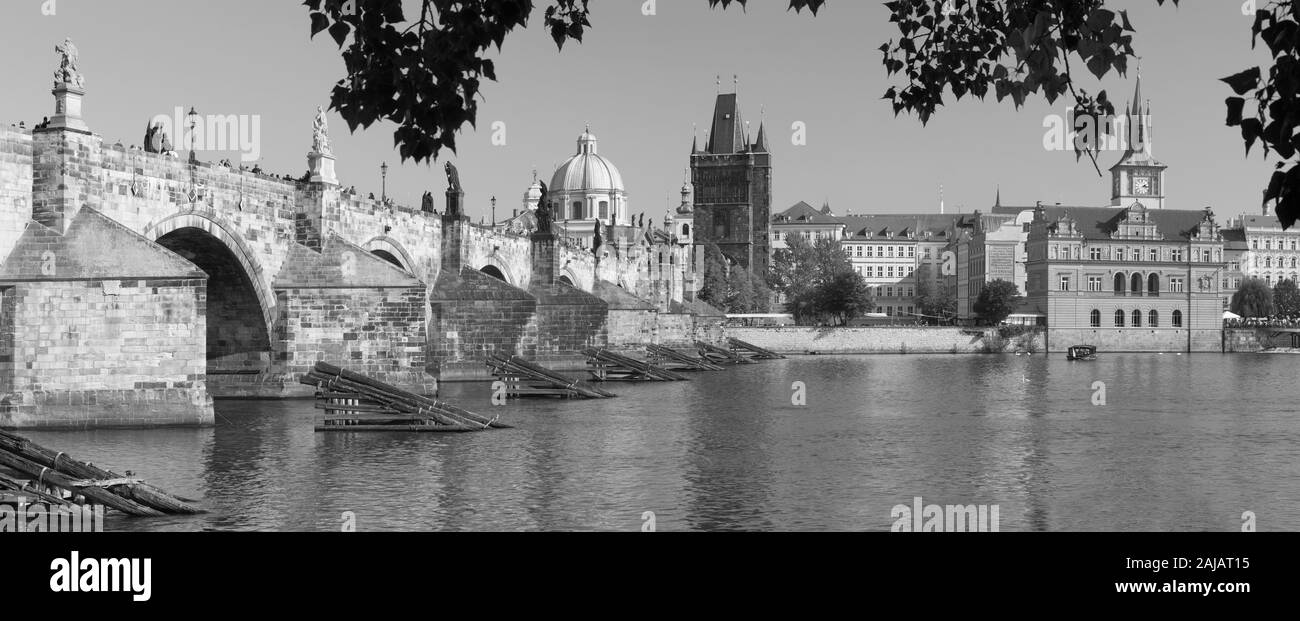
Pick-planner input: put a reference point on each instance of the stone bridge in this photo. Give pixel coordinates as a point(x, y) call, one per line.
point(136, 286)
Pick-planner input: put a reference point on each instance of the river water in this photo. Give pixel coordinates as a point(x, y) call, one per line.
point(1181, 443)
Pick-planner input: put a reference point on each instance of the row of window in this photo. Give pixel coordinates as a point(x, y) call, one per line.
point(887, 252)
point(888, 292)
point(1134, 283)
point(1270, 244)
point(1173, 255)
point(1135, 319)
point(883, 271)
point(807, 235)
point(1280, 277)
point(896, 310)
point(579, 212)
point(1281, 262)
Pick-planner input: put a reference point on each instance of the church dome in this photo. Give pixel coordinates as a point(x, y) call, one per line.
point(587, 171)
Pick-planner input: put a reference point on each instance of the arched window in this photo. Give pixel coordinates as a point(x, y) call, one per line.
point(1268, 261)
point(1293, 263)
point(1137, 319)
point(1137, 283)
point(1153, 284)
point(1095, 318)
point(686, 230)
point(1119, 319)
point(1178, 319)
point(577, 210)
point(1119, 283)
point(1153, 319)
point(604, 209)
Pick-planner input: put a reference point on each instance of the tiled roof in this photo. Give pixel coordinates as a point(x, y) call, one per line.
point(874, 226)
point(1097, 223)
point(803, 213)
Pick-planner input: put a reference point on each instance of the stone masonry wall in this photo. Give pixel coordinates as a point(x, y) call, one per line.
point(104, 353)
point(379, 333)
point(15, 185)
point(881, 340)
point(1135, 339)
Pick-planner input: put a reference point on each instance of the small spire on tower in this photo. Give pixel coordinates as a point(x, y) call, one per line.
point(998, 201)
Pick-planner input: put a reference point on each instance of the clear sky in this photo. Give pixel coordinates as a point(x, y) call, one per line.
point(642, 82)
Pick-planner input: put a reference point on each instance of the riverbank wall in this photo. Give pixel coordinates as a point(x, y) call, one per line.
point(890, 340)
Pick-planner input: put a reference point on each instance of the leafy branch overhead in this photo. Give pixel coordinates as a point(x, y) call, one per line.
point(1014, 49)
point(425, 74)
point(1277, 112)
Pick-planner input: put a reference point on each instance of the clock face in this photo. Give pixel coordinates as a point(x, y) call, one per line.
point(1142, 185)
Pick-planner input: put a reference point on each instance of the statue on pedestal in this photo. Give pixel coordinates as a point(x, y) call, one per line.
point(543, 213)
point(426, 202)
point(68, 73)
point(453, 178)
point(320, 142)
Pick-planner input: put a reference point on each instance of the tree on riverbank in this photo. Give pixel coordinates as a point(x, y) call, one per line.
point(1253, 298)
point(732, 288)
point(937, 303)
point(1286, 298)
point(996, 302)
point(818, 282)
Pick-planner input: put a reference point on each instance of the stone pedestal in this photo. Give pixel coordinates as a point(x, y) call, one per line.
point(67, 109)
point(542, 250)
point(321, 166)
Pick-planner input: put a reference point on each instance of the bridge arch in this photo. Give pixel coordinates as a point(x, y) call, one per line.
point(240, 309)
point(392, 251)
point(574, 280)
point(496, 269)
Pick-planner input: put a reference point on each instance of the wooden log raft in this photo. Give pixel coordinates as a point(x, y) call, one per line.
point(354, 402)
point(608, 366)
point(754, 352)
point(527, 379)
point(720, 355)
point(110, 489)
point(674, 360)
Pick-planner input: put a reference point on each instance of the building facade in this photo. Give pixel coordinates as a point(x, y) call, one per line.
point(1134, 279)
point(1269, 253)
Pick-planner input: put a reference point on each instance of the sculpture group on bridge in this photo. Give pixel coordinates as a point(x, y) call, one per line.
point(68, 73)
point(156, 139)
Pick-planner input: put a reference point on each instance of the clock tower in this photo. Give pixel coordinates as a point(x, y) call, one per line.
point(1138, 177)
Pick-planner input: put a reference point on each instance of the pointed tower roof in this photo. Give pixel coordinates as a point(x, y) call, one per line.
point(997, 202)
point(1138, 149)
point(728, 135)
point(760, 145)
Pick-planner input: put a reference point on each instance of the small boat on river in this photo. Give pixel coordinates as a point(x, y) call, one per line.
point(1081, 352)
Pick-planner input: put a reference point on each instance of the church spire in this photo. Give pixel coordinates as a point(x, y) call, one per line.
point(998, 201)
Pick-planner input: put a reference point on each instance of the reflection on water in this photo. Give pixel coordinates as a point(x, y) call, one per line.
point(1184, 443)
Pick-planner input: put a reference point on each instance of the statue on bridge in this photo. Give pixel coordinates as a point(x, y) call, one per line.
point(68, 73)
point(320, 142)
point(453, 178)
point(543, 213)
point(156, 139)
point(454, 191)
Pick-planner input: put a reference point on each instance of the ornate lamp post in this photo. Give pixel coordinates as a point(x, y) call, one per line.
point(383, 172)
point(193, 116)
point(494, 213)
